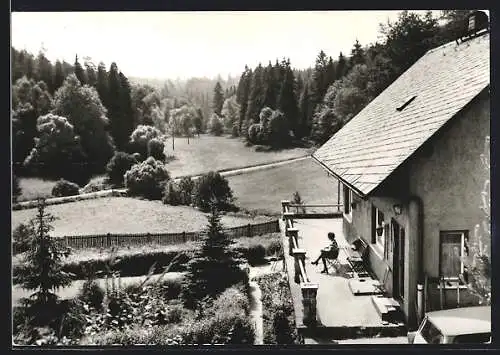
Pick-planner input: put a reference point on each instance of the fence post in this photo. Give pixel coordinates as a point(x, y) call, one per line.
point(284, 206)
point(249, 230)
point(108, 240)
point(309, 292)
point(184, 237)
point(299, 255)
point(66, 241)
point(292, 234)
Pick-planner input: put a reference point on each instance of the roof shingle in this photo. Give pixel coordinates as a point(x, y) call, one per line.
point(377, 140)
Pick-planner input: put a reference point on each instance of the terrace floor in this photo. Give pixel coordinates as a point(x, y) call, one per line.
point(339, 311)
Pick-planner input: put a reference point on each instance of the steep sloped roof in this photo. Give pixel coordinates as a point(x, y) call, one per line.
point(377, 140)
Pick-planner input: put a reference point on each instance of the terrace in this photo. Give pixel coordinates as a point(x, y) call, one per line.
point(339, 304)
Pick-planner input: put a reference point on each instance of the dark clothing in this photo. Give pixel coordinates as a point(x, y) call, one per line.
point(330, 252)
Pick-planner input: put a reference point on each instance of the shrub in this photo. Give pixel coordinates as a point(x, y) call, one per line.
point(140, 138)
point(94, 186)
point(215, 125)
point(171, 194)
point(186, 189)
point(254, 133)
point(156, 149)
point(147, 179)
point(283, 329)
point(92, 294)
point(65, 188)
point(235, 131)
point(256, 254)
point(16, 188)
point(213, 187)
point(118, 165)
point(171, 288)
point(21, 237)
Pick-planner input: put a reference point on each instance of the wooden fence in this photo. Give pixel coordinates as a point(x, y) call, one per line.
point(119, 240)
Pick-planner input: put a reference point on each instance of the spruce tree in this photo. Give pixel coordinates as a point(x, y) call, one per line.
point(256, 97)
point(357, 55)
point(242, 95)
point(79, 72)
point(270, 83)
point(287, 101)
point(126, 112)
point(215, 266)
point(102, 83)
point(58, 75)
point(113, 107)
point(41, 270)
point(341, 69)
point(218, 99)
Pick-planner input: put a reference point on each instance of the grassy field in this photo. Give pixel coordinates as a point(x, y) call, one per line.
point(262, 191)
point(31, 188)
point(126, 215)
point(216, 153)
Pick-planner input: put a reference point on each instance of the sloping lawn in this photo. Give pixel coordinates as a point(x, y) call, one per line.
point(208, 153)
point(262, 191)
point(126, 215)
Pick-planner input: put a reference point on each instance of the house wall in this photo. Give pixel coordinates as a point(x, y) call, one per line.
point(448, 177)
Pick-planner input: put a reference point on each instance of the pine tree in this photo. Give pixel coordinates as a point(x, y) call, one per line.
point(357, 55)
point(215, 267)
point(44, 71)
point(126, 111)
point(287, 101)
point(90, 73)
point(242, 95)
point(270, 84)
point(58, 75)
point(114, 109)
point(256, 97)
point(41, 270)
point(79, 72)
point(218, 99)
point(318, 88)
point(305, 113)
point(102, 83)
point(341, 69)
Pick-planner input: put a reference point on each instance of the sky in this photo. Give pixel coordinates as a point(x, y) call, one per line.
point(194, 44)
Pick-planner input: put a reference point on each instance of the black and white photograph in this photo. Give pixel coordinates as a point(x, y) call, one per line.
point(250, 178)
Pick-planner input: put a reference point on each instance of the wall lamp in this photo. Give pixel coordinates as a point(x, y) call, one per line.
point(397, 209)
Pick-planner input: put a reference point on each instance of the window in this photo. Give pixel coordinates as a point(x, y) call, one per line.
point(431, 333)
point(379, 229)
point(453, 249)
point(347, 200)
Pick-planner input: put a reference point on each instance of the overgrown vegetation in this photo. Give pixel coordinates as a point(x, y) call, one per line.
point(278, 316)
point(147, 179)
point(118, 165)
point(65, 188)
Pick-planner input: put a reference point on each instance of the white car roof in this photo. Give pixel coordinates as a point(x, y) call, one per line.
point(460, 321)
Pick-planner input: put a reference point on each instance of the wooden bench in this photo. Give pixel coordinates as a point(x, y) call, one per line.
point(357, 256)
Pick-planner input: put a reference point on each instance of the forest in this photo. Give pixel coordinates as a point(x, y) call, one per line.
point(68, 120)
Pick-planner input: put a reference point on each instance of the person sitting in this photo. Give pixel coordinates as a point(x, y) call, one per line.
point(330, 252)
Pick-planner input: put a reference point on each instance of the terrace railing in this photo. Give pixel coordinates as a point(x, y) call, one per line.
point(139, 239)
point(316, 210)
point(309, 289)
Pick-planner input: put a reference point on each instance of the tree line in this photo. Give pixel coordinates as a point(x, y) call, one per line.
point(313, 104)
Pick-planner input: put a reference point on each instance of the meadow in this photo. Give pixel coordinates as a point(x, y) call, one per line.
point(126, 215)
point(262, 191)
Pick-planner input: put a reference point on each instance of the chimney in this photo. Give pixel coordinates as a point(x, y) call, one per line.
point(476, 23)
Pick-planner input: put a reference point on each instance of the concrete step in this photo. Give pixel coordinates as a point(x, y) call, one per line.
point(387, 308)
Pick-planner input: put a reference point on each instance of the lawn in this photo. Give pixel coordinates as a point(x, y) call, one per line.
point(32, 187)
point(216, 153)
point(126, 215)
point(261, 191)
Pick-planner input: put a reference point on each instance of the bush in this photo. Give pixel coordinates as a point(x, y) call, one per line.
point(255, 133)
point(118, 165)
point(92, 294)
point(95, 186)
point(235, 131)
point(65, 188)
point(213, 187)
point(256, 255)
point(147, 179)
point(156, 149)
point(215, 125)
point(171, 194)
point(140, 138)
point(16, 188)
point(171, 288)
point(21, 237)
point(186, 189)
point(283, 329)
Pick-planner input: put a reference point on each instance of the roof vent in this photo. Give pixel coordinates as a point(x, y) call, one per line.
point(474, 24)
point(406, 103)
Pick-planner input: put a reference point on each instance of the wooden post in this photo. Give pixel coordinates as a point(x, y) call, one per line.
point(249, 230)
point(108, 240)
point(338, 195)
point(293, 234)
point(288, 216)
point(299, 256)
point(284, 207)
point(309, 292)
